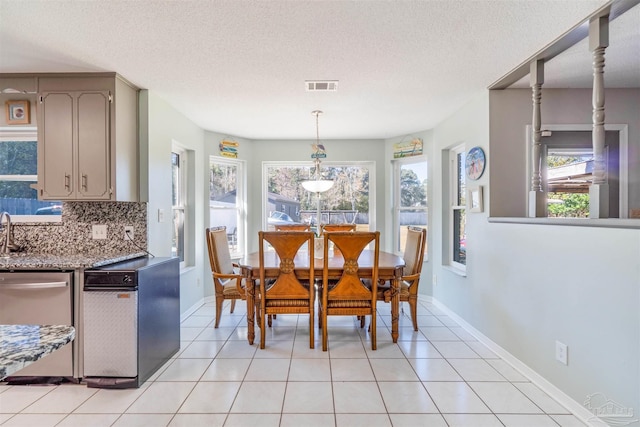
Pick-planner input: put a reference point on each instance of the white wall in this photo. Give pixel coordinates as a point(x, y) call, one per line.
point(527, 286)
point(161, 124)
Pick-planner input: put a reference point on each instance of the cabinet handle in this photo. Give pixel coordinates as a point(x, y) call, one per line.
point(84, 181)
point(67, 181)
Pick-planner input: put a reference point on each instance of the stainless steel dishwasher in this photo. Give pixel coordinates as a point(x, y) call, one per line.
point(40, 298)
point(131, 320)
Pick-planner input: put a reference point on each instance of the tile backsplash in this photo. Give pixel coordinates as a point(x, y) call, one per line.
point(73, 234)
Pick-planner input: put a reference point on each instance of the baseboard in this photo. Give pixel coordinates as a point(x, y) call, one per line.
point(561, 397)
point(188, 312)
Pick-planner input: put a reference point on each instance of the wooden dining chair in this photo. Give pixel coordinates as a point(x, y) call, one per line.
point(413, 258)
point(281, 291)
point(338, 227)
point(349, 295)
point(292, 227)
point(228, 284)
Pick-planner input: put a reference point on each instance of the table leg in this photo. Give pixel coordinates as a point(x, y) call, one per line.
point(250, 310)
point(395, 307)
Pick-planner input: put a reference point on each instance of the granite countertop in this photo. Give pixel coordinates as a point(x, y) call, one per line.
point(35, 261)
point(21, 345)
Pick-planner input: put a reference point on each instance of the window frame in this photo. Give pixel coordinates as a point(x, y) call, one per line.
point(455, 153)
point(623, 171)
point(370, 165)
point(182, 205)
point(397, 205)
point(241, 202)
point(24, 134)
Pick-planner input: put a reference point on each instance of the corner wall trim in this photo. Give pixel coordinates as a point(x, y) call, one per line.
point(561, 397)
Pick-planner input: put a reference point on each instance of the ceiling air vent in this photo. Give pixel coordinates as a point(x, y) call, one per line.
point(321, 85)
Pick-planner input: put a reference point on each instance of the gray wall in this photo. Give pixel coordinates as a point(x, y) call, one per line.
point(527, 286)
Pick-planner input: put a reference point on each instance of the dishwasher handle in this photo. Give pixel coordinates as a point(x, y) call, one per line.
point(110, 288)
point(34, 286)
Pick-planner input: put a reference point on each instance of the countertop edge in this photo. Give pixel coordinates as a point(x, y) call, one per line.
point(33, 261)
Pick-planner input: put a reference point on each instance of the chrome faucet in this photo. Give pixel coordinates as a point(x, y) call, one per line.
point(7, 232)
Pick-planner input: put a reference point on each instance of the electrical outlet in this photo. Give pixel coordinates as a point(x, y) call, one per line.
point(128, 232)
point(99, 231)
point(562, 353)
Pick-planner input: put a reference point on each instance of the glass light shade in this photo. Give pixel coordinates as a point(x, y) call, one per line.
point(318, 185)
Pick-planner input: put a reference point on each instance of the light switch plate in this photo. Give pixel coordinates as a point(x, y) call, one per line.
point(99, 231)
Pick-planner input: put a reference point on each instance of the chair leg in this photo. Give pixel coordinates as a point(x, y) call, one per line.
point(374, 344)
point(312, 338)
point(324, 332)
point(269, 319)
point(361, 321)
point(262, 330)
point(219, 302)
point(233, 305)
point(413, 305)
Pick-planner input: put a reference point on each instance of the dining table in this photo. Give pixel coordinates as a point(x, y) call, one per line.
point(390, 267)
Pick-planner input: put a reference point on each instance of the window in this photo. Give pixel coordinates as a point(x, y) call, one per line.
point(227, 201)
point(178, 201)
point(568, 174)
point(457, 216)
point(348, 201)
point(410, 198)
point(18, 171)
point(567, 169)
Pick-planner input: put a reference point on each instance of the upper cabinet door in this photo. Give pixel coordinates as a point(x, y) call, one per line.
point(55, 146)
point(88, 138)
point(93, 147)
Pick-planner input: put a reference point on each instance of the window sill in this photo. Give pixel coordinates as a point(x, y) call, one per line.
point(455, 270)
point(572, 222)
point(187, 269)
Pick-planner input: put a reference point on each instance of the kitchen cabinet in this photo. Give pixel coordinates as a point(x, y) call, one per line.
point(87, 138)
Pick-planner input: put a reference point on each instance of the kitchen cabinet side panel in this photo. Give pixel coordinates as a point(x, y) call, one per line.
point(124, 126)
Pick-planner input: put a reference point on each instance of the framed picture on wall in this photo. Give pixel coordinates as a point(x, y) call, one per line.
point(17, 112)
point(475, 199)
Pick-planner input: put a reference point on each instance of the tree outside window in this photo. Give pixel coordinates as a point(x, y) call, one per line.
point(18, 171)
point(226, 200)
point(410, 199)
point(346, 202)
point(458, 214)
point(178, 205)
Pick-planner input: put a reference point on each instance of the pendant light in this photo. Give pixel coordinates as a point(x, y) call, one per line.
point(317, 184)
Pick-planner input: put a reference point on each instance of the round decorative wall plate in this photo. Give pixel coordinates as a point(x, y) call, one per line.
point(474, 163)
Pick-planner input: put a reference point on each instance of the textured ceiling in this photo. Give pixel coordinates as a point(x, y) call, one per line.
point(238, 67)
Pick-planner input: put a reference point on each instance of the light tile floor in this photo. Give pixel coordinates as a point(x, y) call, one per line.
point(438, 376)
